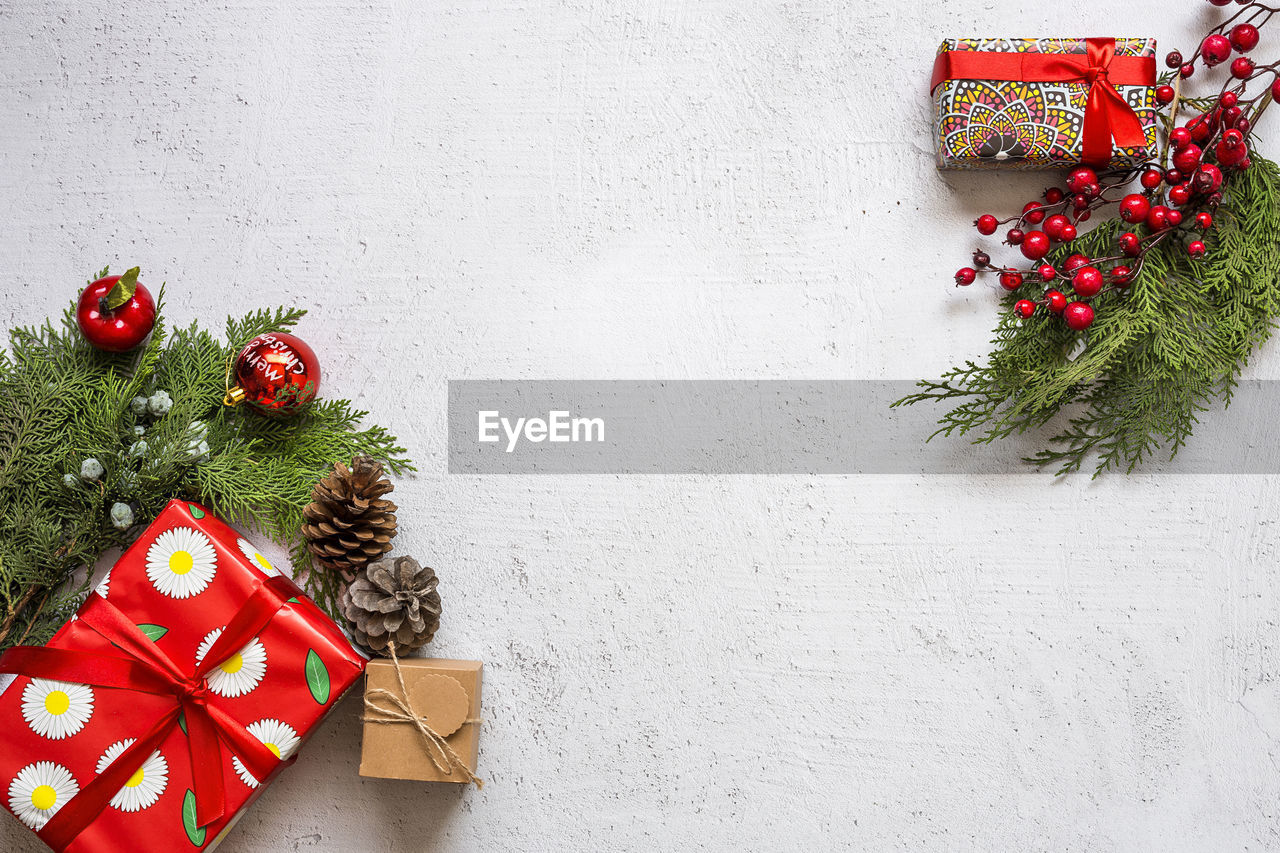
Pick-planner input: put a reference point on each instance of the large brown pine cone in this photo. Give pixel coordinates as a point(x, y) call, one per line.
point(393, 600)
point(349, 523)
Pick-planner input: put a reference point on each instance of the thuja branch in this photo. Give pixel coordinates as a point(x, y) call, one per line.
point(1145, 321)
point(93, 444)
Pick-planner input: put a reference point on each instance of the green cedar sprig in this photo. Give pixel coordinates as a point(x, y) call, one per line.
point(1160, 353)
point(62, 402)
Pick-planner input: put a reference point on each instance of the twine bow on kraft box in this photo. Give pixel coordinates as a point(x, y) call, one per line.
point(422, 720)
point(1044, 103)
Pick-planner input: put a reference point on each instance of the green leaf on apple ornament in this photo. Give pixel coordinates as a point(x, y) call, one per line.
point(124, 289)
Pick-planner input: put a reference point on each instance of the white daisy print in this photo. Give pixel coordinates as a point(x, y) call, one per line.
point(181, 562)
point(238, 674)
point(39, 790)
point(145, 786)
point(278, 737)
point(253, 555)
point(105, 585)
point(56, 709)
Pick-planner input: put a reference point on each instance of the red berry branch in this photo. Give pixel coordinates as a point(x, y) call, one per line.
point(1178, 192)
point(1122, 334)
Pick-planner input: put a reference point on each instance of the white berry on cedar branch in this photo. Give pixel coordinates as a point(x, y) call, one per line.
point(1156, 304)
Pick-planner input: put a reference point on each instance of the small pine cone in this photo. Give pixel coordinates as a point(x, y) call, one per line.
point(349, 523)
point(393, 600)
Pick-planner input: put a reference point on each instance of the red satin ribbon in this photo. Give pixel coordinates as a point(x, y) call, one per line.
point(1106, 115)
point(144, 668)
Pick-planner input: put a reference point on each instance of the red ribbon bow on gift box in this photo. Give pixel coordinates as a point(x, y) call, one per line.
point(1106, 115)
point(144, 668)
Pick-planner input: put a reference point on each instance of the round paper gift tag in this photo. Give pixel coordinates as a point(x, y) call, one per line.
point(441, 700)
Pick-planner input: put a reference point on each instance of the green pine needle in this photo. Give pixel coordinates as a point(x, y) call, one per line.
point(1159, 354)
point(62, 401)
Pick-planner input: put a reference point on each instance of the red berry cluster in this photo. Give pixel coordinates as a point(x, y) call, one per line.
point(1176, 199)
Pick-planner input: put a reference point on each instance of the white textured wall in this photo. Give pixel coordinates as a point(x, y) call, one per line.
point(669, 188)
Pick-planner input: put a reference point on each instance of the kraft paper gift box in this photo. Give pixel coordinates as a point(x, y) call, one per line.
point(1044, 103)
point(445, 696)
point(137, 723)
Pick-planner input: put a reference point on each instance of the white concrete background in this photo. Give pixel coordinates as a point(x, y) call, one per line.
point(669, 188)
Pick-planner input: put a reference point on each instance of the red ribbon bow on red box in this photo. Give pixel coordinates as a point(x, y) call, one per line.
point(1107, 115)
point(144, 668)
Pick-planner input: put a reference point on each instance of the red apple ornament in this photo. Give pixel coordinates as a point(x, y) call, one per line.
point(116, 313)
point(277, 373)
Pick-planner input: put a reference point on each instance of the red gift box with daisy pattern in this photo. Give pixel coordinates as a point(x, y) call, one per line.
point(188, 578)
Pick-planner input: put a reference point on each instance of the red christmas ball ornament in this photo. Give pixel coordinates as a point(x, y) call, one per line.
point(1134, 208)
point(1244, 37)
point(1024, 307)
point(1087, 281)
point(1078, 315)
point(277, 373)
point(987, 224)
point(1215, 49)
point(1035, 245)
point(116, 313)
point(1055, 301)
point(1011, 279)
